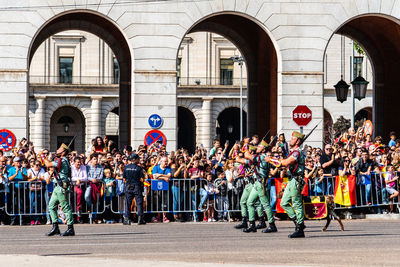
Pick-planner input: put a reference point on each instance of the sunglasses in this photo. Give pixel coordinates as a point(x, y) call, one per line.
point(37, 164)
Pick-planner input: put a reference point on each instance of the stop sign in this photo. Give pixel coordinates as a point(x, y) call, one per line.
point(302, 115)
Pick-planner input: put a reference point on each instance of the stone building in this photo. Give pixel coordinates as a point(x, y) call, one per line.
point(284, 45)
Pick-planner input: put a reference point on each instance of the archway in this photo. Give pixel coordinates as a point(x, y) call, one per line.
point(65, 123)
point(363, 114)
point(328, 130)
point(228, 125)
point(186, 129)
point(379, 36)
point(104, 28)
point(112, 125)
point(261, 61)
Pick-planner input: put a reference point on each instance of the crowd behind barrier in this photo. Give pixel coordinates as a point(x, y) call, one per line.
point(205, 185)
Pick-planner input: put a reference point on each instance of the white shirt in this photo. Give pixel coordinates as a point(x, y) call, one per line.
point(39, 174)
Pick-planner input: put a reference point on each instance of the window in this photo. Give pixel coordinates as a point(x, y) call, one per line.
point(65, 69)
point(115, 72)
point(178, 69)
point(226, 71)
point(357, 66)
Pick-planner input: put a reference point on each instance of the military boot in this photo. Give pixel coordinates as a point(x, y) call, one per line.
point(298, 232)
point(294, 220)
point(251, 228)
point(243, 224)
point(302, 226)
point(70, 231)
point(141, 220)
point(54, 231)
point(271, 229)
point(261, 223)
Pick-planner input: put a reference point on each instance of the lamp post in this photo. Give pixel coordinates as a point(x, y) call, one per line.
point(240, 60)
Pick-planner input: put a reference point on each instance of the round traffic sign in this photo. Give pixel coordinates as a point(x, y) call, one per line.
point(368, 127)
point(155, 121)
point(302, 115)
point(7, 140)
point(153, 136)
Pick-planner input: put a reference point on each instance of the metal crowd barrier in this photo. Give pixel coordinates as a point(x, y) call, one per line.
point(227, 195)
point(24, 198)
point(176, 196)
point(370, 191)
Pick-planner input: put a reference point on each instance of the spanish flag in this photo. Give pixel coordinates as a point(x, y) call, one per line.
point(280, 185)
point(345, 190)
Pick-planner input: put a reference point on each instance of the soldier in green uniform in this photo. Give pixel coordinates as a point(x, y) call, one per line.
point(246, 193)
point(59, 196)
point(292, 201)
point(260, 192)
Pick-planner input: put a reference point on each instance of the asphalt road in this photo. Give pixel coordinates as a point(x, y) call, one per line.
point(364, 242)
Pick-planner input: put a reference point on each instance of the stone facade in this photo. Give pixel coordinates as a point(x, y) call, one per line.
point(146, 39)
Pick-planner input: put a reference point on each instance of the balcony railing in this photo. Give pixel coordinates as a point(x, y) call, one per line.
point(193, 81)
point(82, 80)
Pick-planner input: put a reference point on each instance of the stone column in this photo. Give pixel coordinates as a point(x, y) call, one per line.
point(205, 124)
point(40, 140)
point(95, 123)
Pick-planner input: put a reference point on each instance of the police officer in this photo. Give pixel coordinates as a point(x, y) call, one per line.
point(133, 177)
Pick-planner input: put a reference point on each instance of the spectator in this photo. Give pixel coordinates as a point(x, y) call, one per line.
point(363, 168)
point(79, 178)
point(391, 179)
point(162, 172)
point(392, 141)
point(95, 177)
point(35, 177)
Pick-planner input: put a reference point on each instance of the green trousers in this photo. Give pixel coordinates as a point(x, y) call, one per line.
point(292, 195)
point(59, 197)
point(261, 194)
point(243, 201)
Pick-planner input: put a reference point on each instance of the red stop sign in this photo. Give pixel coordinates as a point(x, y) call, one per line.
point(302, 115)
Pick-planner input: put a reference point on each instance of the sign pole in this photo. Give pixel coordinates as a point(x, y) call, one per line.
point(301, 129)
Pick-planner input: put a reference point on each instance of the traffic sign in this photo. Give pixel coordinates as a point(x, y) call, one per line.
point(7, 140)
point(154, 136)
point(155, 121)
point(368, 127)
point(302, 115)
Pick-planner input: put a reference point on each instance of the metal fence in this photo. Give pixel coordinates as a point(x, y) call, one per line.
point(182, 196)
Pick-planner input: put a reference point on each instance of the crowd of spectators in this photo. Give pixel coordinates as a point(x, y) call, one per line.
point(209, 182)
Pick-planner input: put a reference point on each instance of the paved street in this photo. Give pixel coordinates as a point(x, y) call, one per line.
point(364, 242)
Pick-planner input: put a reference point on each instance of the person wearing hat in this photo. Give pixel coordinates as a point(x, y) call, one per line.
point(59, 196)
point(292, 201)
point(133, 177)
point(248, 178)
point(259, 193)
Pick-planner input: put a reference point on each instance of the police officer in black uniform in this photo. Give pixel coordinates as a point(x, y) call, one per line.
point(133, 177)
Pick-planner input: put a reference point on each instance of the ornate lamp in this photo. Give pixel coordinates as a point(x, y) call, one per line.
point(360, 87)
point(342, 89)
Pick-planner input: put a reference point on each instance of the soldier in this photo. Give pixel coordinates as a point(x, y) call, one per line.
point(246, 192)
point(260, 192)
point(292, 201)
point(59, 196)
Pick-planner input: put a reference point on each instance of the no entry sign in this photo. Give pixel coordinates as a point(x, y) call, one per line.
point(302, 115)
point(7, 140)
point(154, 136)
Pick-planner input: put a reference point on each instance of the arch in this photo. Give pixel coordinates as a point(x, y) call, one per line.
point(105, 28)
point(230, 118)
point(379, 35)
point(364, 113)
point(186, 129)
point(262, 58)
point(65, 132)
point(328, 130)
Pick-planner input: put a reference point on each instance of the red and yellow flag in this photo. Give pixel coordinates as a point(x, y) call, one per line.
point(345, 190)
point(315, 208)
point(280, 185)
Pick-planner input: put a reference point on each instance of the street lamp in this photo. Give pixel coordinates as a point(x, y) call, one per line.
point(66, 127)
point(342, 89)
point(360, 87)
point(240, 60)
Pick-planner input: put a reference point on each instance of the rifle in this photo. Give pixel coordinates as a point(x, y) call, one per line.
point(308, 135)
point(266, 134)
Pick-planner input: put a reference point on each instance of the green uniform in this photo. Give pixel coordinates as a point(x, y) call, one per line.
point(59, 195)
point(260, 192)
point(243, 201)
point(292, 193)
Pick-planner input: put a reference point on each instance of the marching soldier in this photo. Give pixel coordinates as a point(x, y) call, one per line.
point(260, 192)
point(59, 196)
point(246, 193)
point(292, 201)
